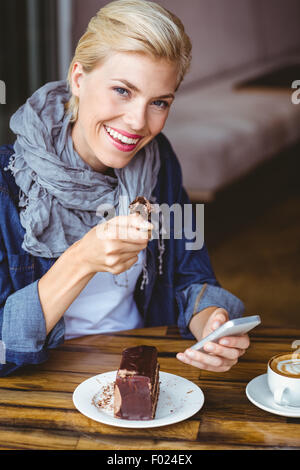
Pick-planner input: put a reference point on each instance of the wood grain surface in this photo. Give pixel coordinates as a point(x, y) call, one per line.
point(37, 411)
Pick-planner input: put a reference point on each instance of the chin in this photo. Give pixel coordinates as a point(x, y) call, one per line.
point(117, 165)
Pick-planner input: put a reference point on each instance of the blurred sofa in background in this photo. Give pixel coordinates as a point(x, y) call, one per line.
point(220, 131)
point(227, 118)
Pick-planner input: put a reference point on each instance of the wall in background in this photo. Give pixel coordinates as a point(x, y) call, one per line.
point(28, 53)
point(226, 34)
point(38, 38)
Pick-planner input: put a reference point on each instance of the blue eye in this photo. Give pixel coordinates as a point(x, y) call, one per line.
point(161, 104)
point(121, 91)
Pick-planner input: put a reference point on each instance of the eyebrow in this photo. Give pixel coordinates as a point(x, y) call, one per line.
point(134, 88)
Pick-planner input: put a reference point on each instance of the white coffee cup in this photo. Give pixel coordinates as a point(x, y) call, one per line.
point(284, 378)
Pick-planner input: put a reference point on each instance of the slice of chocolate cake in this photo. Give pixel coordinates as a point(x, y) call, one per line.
point(136, 387)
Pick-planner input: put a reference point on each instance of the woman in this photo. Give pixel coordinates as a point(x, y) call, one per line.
point(95, 142)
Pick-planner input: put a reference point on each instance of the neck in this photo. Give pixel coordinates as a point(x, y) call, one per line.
point(110, 172)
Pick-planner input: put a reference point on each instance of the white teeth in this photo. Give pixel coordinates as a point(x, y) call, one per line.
point(121, 137)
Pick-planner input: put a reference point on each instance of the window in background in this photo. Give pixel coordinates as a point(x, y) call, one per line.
point(35, 38)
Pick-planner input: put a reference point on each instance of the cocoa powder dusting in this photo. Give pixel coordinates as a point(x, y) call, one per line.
point(104, 398)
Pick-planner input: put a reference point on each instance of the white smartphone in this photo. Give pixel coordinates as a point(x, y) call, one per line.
point(236, 327)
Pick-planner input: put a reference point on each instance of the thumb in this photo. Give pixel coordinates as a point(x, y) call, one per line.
point(219, 316)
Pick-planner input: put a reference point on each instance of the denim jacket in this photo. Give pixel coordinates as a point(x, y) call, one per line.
point(186, 286)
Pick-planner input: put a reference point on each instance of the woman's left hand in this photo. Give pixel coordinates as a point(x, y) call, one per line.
point(221, 356)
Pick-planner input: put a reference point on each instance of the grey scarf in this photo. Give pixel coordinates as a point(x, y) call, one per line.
point(59, 192)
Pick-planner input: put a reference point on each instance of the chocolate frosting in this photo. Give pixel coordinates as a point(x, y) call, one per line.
point(137, 384)
point(139, 360)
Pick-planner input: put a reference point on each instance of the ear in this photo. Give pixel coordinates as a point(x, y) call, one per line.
point(77, 74)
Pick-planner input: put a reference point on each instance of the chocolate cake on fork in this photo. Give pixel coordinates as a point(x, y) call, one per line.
point(142, 206)
point(136, 388)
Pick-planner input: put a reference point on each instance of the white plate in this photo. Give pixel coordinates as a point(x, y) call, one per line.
point(260, 395)
point(178, 400)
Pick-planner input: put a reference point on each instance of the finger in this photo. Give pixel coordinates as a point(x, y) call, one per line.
point(132, 234)
point(122, 258)
point(137, 221)
point(127, 257)
point(130, 248)
point(130, 262)
point(222, 351)
point(223, 365)
point(219, 317)
point(124, 233)
point(187, 360)
point(206, 360)
point(241, 352)
point(239, 342)
point(123, 266)
point(133, 221)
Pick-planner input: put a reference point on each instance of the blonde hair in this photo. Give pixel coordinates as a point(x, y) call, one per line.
point(131, 26)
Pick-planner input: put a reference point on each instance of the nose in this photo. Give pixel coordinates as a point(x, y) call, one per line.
point(136, 117)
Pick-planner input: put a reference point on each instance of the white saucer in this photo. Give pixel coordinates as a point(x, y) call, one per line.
point(259, 394)
point(178, 400)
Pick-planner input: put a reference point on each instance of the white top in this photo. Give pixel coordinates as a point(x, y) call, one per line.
point(103, 307)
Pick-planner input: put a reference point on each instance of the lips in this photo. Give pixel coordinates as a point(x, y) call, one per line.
point(123, 147)
point(126, 134)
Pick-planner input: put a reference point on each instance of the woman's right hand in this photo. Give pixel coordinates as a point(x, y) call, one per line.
point(114, 246)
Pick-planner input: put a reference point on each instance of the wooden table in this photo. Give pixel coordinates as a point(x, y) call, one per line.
point(37, 411)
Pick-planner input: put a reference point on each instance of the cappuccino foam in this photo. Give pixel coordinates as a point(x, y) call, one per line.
point(289, 367)
point(287, 364)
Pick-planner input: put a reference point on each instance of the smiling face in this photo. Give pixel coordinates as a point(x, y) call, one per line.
point(123, 105)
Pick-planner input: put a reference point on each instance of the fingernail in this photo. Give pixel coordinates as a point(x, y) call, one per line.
point(209, 347)
point(225, 342)
point(190, 353)
point(179, 356)
point(216, 324)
